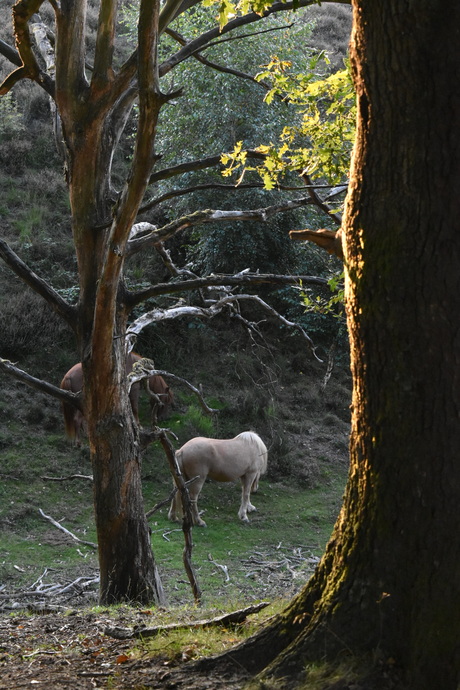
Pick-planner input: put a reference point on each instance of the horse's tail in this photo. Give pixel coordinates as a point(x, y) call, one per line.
point(68, 410)
point(264, 457)
point(179, 460)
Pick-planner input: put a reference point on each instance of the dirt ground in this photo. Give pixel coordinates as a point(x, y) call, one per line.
point(62, 651)
point(60, 646)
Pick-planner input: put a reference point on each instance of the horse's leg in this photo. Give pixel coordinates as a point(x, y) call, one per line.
point(255, 483)
point(176, 508)
point(78, 424)
point(194, 491)
point(246, 506)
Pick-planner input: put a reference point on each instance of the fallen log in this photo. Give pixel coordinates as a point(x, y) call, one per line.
point(233, 618)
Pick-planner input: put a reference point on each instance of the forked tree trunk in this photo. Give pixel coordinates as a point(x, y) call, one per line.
point(93, 115)
point(388, 588)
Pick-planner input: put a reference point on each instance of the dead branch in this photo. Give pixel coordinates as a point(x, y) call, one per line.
point(133, 299)
point(89, 477)
point(162, 503)
point(260, 215)
point(233, 618)
point(144, 368)
point(330, 365)
point(168, 500)
point(65, 396)
point(40, 286)
point(187, 522)
point(316, 199)
point(41, 590)
point(281, 318)
point(224, 568)
point(179, 310)
point(66, 531)
point(329, 240)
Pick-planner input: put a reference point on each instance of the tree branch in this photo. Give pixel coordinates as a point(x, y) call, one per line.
point(74, 399)
point(329, 240)
point(145, 368)
point(187, 522)
point(203, 41)
point(30, 69)
point(193, 166)
point(91, 544)
point(174, 193)
point(316, 199)
point(233, 618)
point(158, 314)
point(223, 68)
point(10, 53)
point(133, 299)
point(259, 215)
point(56, 302)
point(102, 69)
point(172, 9)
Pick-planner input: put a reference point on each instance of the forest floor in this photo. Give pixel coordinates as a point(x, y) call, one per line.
point(73, 650)
point(67, 642)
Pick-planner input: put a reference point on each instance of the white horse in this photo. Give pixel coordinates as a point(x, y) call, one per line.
point(224, 460)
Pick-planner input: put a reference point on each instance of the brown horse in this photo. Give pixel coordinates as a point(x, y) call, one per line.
point(243, 457)
point(160, 401)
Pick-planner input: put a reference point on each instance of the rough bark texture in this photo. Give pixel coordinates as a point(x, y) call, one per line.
point(388, 587)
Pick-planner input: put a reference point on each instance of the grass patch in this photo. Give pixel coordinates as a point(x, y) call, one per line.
point(276, 551)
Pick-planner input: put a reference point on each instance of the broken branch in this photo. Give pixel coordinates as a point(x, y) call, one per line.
point(66, 531)
point(233, 618)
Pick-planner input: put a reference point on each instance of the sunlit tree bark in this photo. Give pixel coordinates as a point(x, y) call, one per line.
point(386, 594)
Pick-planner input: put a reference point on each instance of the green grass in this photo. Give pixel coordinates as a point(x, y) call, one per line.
point(283, 540)
point(290, 523)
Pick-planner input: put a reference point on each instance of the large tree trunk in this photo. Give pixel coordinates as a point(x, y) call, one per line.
point(388, 587)
point(127, 567)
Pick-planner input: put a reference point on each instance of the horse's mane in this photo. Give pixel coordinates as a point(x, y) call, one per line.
point(252, 439)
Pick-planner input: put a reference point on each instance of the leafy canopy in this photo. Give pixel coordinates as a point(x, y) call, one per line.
point(320, 145)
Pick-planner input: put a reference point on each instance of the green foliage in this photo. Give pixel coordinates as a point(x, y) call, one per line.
point(202, 424)
point(332, 305)
point(222, 109)
point(321, 143)
point(261, 246)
